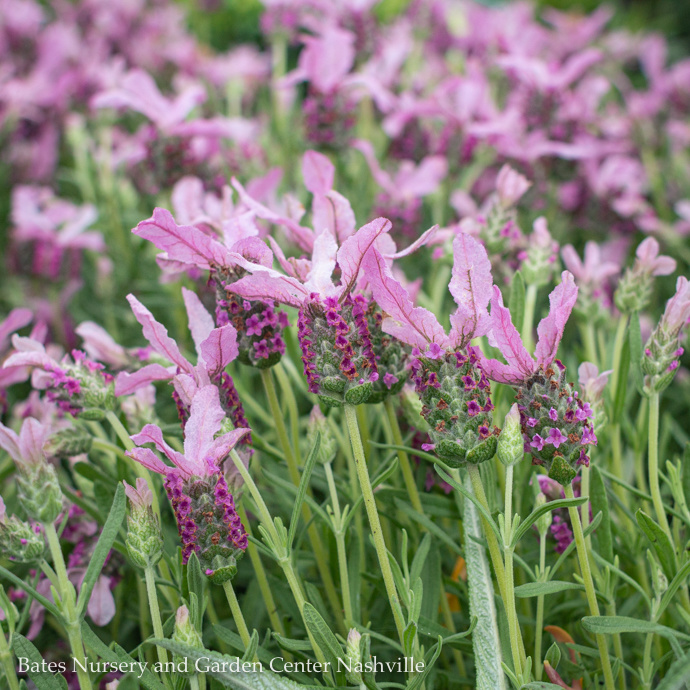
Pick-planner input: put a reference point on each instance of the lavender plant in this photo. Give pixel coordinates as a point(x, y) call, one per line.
point(246, 438)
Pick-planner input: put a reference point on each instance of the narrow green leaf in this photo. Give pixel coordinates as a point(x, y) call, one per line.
point(517, 299)
point(676, 677)
point(485, 640)
point(105, 543)
point(431, 579)
point(302, 490)
point(117, 655)
point(685, 473)
point(291, 645)
point(409, 635)
point(553, 655)
point(419, 560)
point(612, 625)
point(678, 581)
point(43, 680)
point(324, 638)
point(659, 541)
point(429, 661)
point(535, 589)
point(46, 603)
point(539, 685)
point(195, 583)
point(542, 510)
point(600, 504)
point(228, 670)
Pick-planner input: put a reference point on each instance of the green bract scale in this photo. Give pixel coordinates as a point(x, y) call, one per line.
point(555, 423)
point(19, 541)
point(39, 492)
point(144, 541)
point(456, 401)
point(391, 358)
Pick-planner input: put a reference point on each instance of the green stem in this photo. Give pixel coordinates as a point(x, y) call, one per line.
point(589, 585)
point(403, 458)
point(68, 600)
point(584, 511)
point(528, 318)
point(261, 578)
point(237, 614)
point(293, 469)
point(150, 577)
point(590, 342)
point(7, 663)
point(617, 351)
point(374, 521)
point(538, 633)
point(492, 542)
point(340, 544)
point(283, 558)
point(653, 458)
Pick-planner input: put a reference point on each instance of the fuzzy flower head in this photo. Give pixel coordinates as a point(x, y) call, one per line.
point(78, 385)
point(635, 287)
point(144, 540)
point(663, 351)
point(556, 422)
point(452, 387)
point(337, 353)
point(20, 542)
point(259, 324)
point(208, 523)
point(39, 490)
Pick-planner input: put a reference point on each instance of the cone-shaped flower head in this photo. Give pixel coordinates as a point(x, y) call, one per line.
point(39, 490)
point(144, 541)
point(450, 383)
point(185, 633)
point(635, 287)
point(556, 423)
point(662, 351)
point(19, 541)
point(510, 448)
point(337, 353)
point(258, 325)
point(207, 521)
point(79, 386)
point(215, 348)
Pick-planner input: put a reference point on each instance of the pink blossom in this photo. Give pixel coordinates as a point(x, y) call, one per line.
point(650, 262)
point(203, 452)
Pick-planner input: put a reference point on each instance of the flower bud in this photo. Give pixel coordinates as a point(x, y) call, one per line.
point(544, 522)
point(185, 633)
point(39, 493)
point(318, 424)
point(354, 657)
point(144, 541)
point(19, 541)
point(510, 449)
point(69, 442)
point(539, 260)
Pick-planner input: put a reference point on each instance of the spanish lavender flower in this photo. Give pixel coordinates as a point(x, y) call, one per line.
point(662, 351)
point(16, 319)
point(634, 288)
point(337, 354)
point(215, 347)
point(19, 541)
point(555, 421)
point(39, 490)
point(259, 325)
point(207, 521)
point(452, 386)
point(79, 386)
point(144, 540)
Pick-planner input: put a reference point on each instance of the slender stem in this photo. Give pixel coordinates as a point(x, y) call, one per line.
point(139, 470)
point(68, 599)
point(492, 542)
point(528, 318)
point(374, 521)
point(539, 630)
point(617, 351)
point(589, 585)
point(283, 559)
point(584, 510)
point(237, 614)
point(403, 458)
point(511, 612)
point(293, 469)
point(590, 343)
point(194, 682)
point(653, 458)
point(150, 577)
point(340, 543)
point(261, 578)
point(7, 663)
point(509, 496)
